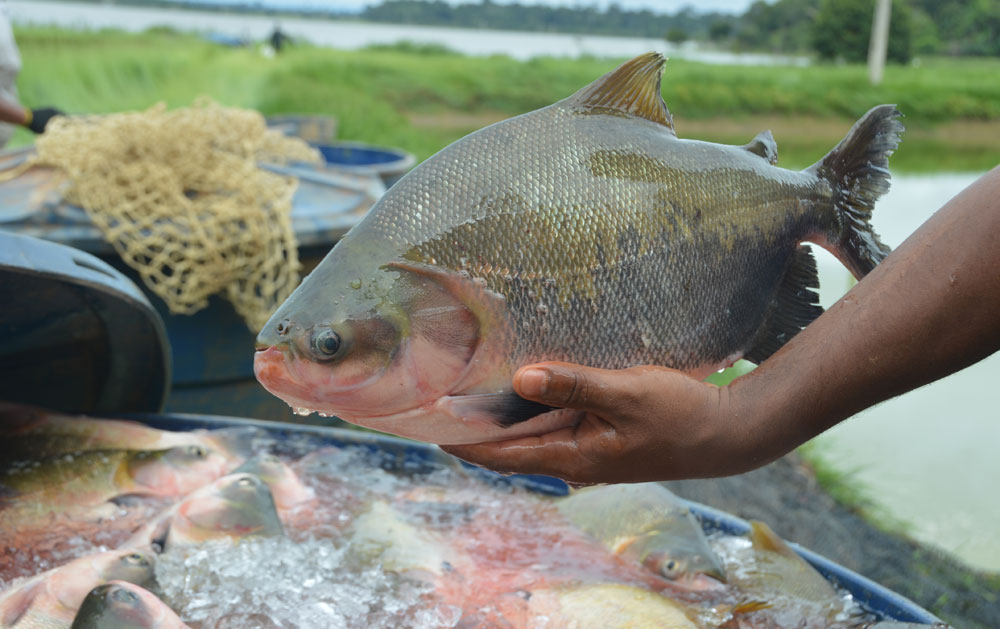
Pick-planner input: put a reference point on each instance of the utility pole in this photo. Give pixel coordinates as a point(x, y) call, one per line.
point(879, 43)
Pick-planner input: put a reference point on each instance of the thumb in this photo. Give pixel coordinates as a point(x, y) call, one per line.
point(567, 385)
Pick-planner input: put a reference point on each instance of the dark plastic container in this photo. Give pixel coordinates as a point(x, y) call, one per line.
point(75, 334)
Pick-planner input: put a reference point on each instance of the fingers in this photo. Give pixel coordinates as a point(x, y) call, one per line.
point(573, 386)
point(557, 454)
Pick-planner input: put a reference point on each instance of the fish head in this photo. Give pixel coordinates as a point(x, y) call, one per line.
point(678, 551)
point(71, 582)
point(175, 471)
point(286, 488)
point(235, 506)
point(122, 605)
point(376, 345)
point(134, 566)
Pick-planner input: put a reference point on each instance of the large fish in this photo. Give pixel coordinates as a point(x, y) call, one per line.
point(586, 231)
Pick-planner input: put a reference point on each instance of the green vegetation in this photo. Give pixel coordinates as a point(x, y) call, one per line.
point(847, 490)
point(421, 98)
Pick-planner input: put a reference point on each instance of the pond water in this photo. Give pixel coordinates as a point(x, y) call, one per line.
point(352, 35)
point(928, 456)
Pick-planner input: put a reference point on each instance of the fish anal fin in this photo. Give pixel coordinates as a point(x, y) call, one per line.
point(632, 89)
point(764, 145)
point(503, 409)
point(795, 305)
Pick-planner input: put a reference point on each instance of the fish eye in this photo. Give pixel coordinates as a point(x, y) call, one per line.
point(197, 451)
point(325, 344)
point(245, 482)
point(137, 559)
point(121, 595)
point(671, 569)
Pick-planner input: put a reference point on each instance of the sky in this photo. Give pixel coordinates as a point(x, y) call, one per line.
point(659, 6)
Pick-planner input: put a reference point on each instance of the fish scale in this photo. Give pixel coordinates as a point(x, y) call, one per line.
point(586, 231)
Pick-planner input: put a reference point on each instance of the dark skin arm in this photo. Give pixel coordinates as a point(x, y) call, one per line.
point(13, 113)
point(32, 119)
point(931, 308)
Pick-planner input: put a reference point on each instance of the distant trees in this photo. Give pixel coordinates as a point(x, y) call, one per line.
point(832, 29)
point(843, 28)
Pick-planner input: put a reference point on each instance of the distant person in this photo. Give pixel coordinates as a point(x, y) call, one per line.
point(10, 66)
point(279, 39)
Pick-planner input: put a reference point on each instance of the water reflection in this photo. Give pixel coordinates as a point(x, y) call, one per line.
point(930, 455)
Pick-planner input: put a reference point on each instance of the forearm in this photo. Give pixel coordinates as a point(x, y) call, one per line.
point(13, 113)
point(931, 308)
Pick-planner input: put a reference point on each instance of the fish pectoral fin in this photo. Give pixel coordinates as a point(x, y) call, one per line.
point(764, 145)
point(16, 604)
point(503, 409)
point(632, 89)
point(795, 305)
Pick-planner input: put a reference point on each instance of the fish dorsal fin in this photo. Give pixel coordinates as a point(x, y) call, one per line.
point(765, 146)
point(633, 89)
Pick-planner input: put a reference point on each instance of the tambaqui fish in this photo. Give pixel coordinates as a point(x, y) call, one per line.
point(34, 490)
point(649, 524)
point(122, 605)
point(27, 431)
point(52, 598)
point(233, 507)
point(586, 231)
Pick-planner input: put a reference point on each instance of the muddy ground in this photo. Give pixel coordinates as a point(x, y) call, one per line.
point(787, 496)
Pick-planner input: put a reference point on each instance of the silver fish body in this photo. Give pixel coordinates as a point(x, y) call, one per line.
point(585, 231)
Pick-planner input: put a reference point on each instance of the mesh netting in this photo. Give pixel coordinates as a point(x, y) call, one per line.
point(180, 196)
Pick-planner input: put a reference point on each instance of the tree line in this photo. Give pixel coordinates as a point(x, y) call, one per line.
point(831, 29)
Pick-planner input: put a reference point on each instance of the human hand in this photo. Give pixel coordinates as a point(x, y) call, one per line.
point(640, 424)
point(39, 118)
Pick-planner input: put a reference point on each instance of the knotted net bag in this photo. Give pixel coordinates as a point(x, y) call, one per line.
point(181, 197)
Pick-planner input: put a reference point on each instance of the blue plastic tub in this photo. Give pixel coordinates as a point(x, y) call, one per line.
point(411, 456)
point(388, 163)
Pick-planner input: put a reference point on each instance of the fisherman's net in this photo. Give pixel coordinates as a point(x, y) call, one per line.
point(182, 198)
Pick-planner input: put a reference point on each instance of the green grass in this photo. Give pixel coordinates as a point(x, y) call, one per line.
point(952, 107)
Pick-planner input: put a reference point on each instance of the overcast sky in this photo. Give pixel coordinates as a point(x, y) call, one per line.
point(660, 6)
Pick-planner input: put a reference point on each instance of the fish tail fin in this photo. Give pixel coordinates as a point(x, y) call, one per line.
point(858, 170)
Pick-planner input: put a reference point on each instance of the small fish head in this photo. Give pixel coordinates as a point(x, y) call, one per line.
point(692, 571)
point(176, 471)
point(286, 487)
point(237, 505)
point(121, 605)
point(361, 345)
point(134, 566)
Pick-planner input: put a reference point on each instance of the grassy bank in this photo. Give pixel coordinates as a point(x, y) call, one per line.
point(421, 98)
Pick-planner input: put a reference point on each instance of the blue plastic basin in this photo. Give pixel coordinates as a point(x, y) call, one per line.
point(388, 163)
point(413, 456)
